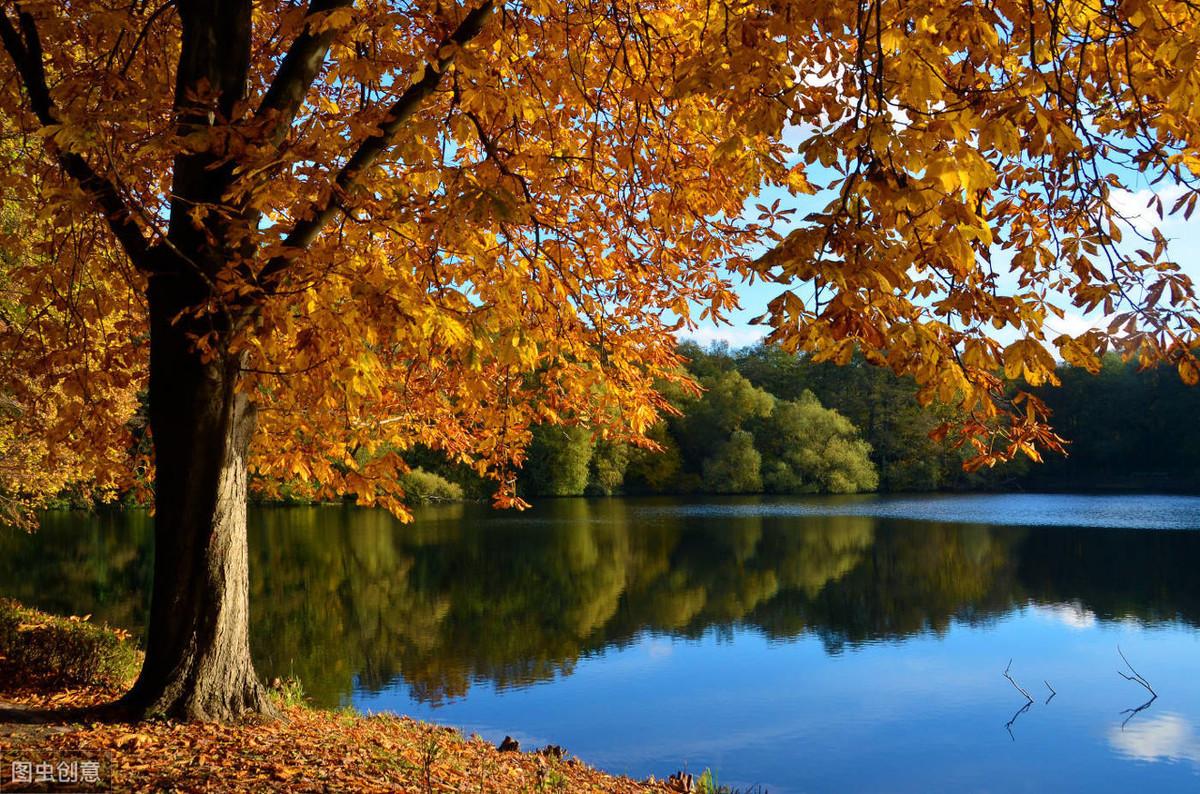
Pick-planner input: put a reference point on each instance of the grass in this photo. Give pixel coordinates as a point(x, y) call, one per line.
point(707, 784)
point(287, 692)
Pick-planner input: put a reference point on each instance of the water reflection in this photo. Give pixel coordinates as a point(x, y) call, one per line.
point(346, 598)
point(1167, 737)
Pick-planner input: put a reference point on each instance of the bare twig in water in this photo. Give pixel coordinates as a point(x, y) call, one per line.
point(1136, 677)
point(1134, 712)
point(1020, 688)
point(1008, 725)
point(1052, 692)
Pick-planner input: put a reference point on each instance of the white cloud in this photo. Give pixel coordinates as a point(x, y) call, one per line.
point(1132, 205)
point(1073, 323)
point(1167, 737)
point(657, 648)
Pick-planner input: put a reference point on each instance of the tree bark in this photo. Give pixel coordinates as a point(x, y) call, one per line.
point(197, 664)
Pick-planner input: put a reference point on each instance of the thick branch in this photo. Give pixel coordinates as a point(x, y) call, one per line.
point(25, 49)
point(297, 71)
point(324, 211)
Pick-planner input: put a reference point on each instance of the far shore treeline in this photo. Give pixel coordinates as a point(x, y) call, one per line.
point(771, 422)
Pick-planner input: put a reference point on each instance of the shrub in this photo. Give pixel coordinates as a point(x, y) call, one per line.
point(422, 486)
point(44, 650)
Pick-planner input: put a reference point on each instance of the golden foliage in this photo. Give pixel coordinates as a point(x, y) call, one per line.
point(978, 155)
point(474, 219)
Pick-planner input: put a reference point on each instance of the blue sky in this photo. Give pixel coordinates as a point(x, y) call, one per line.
point(1184, 237)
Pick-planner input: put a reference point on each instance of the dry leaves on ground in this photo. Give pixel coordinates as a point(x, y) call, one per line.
point(305, 750)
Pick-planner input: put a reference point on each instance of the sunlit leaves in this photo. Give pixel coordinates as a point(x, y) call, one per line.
point(516, 255)
point(976, 155)
point(574, 187)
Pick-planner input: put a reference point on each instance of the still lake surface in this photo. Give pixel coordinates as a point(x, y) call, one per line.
point(824, 644)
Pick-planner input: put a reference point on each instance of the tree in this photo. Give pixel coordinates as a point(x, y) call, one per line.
point(610, 460)
point(656, 470)
point(808, 448)
point(983, 158)
point(313, 231)
point(728, 403)
point(558, 459)
point(734, 466)
point(881, 404)
point(320, 235)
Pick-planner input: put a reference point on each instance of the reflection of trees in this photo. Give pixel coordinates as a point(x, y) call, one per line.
point(513, 600)
point(1150, 576)
point(342, 596)
point(80, 564)
point(915, 577)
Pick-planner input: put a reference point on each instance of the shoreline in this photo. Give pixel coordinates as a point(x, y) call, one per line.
point(303, 750)
point(52, 740)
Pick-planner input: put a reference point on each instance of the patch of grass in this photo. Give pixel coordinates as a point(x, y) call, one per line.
point(347, 715)
point(707, 784)
point(431, 750)
point(288, 691)
point(550, 778)
point(47, 651)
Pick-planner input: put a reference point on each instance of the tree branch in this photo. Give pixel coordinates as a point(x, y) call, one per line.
point(1020, 688)
point(25, 49)
point(296, 73)
point(323, 211)
point(1136, 677)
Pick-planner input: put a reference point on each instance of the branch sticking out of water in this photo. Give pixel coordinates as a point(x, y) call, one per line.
point(1008, 726)
point(1020, 688)
point(1052, 692)
point(1136, 677)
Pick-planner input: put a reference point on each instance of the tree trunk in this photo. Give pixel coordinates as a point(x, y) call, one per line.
point(197, 663)
point(197, 644)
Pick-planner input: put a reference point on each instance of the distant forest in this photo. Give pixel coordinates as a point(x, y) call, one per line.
point(771, 422)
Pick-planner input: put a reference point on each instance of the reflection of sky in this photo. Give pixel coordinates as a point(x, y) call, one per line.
point(1148, 511)
point(1074, 615)
point(1167, 737)
point(925, 714)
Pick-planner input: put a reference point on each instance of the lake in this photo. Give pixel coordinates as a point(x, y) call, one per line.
point(823, 644)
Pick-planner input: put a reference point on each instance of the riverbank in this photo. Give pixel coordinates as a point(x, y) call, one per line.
point(47, 746)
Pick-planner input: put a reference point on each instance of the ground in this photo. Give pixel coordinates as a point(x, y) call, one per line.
point(305, 750)
point(46, 723)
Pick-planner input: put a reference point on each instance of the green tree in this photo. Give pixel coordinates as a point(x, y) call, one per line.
point(610, 460)
point(735, 466)
point(728, 403)
point(557, 462)
point(807, 448)
point(655, 471)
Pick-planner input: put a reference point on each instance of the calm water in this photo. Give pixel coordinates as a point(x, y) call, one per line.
point(852, 644)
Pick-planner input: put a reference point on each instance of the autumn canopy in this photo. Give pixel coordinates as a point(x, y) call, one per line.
point(304, 237)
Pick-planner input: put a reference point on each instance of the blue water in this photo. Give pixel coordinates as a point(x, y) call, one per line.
point(826, 644)
point(1059, 510)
